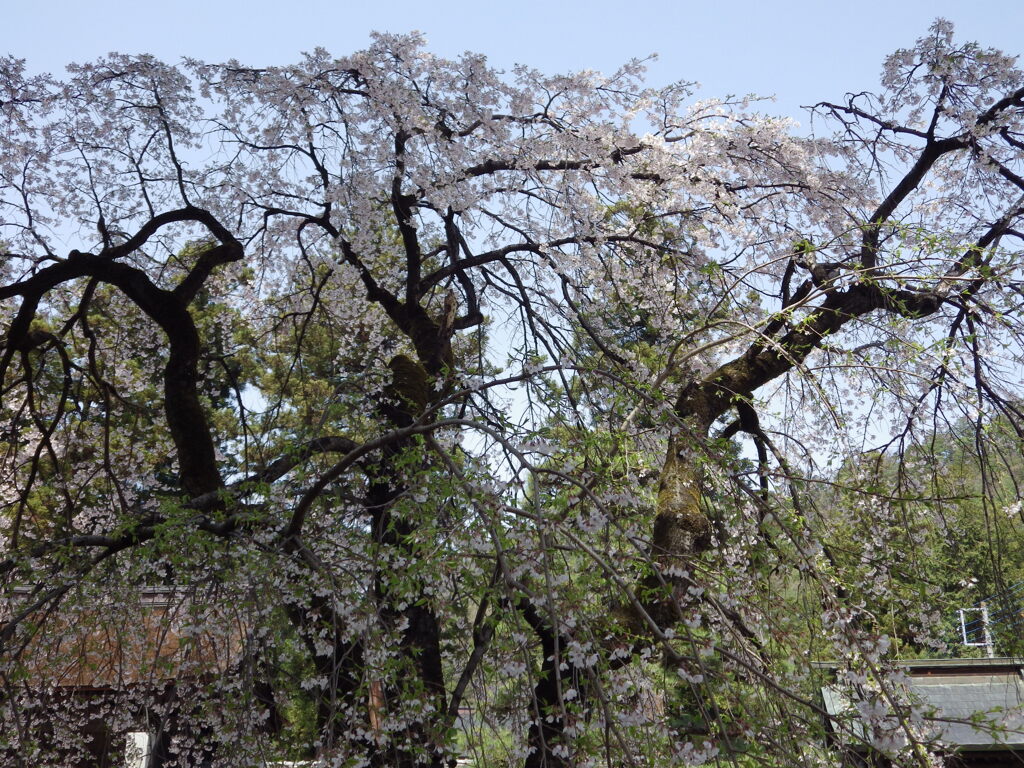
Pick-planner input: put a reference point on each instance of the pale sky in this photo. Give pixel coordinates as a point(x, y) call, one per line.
point(799, 50)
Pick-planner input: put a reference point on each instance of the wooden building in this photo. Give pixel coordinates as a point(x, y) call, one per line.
point(115, 686)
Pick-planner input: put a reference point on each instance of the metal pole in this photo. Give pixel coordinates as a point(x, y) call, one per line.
point(990, 647)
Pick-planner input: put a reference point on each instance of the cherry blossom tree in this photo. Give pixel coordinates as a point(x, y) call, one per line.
point(464, 412)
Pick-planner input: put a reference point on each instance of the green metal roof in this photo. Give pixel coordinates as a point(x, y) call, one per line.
point(967, 704)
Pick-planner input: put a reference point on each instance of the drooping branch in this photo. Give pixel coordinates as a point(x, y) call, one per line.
point(186, 418)
point(681, 528)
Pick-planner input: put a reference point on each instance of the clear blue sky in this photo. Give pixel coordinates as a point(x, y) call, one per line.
point(800, 50)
